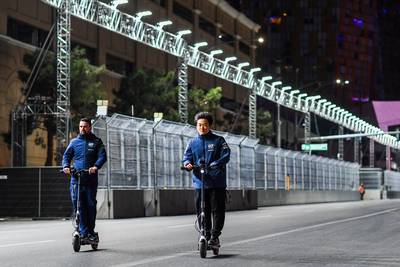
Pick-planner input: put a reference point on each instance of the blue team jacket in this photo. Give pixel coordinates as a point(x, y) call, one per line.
point(214, 150)
point(86, 151)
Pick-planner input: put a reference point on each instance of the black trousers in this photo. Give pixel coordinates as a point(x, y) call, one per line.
point(214, 210)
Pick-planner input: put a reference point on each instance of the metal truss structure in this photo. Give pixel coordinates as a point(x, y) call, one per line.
point(154, 36)
point(183, 88)
point(63, 74)
point(20, 115)
point(341, 143)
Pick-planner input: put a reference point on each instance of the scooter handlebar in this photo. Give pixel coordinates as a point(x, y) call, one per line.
point(183, 168)
point(74, 171)
point(199, 167)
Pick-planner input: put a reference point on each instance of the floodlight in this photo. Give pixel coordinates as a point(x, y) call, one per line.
point(228, 59)
point(254, 70)
point(198, 45)
point(244, 64)
point(161, 24)
point(266, 78)
point(274, 84)
point(183, 32)
point(116, 3)
point(285, 88)
point(142, 14)
point(299, 99)
point(216, 52)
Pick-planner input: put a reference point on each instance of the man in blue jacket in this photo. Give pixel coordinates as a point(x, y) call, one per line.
point(88, 153)
point(213, 150)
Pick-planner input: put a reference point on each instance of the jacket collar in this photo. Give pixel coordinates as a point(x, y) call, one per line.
point(207, 135)
point(85, 136)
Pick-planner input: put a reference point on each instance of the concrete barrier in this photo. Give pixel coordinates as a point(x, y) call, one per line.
point(371, 194)
point(129, 203)
point(242, 200)
point(283, 197)
point(123, 203)
point(393, 194)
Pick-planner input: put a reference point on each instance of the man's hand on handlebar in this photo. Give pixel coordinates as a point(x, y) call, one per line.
point(93, 169)
point(67, 170)
point(189, 166)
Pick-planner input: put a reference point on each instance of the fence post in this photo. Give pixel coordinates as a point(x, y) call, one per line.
point(108, 170)
point(138, 160)
point(265, 171)
point(40, 191)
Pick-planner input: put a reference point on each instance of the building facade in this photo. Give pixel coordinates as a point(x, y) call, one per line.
point(24, 25)
point(345, 51)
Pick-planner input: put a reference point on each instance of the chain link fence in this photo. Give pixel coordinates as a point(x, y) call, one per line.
point(147, 154)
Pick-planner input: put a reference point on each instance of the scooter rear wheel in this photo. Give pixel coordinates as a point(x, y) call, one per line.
point(95, 244)
point(215, 251)
point(76, 243)
point(203, 248)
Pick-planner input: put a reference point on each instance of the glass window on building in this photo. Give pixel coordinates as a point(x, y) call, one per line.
point(90, 53)
point(119, 65)
point(207, 26)
point(182, 12)
point(25, 33)
point(244, 48)
point(226, 38)
point(162, 3)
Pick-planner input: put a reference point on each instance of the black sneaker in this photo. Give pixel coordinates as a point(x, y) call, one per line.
point(214, 242)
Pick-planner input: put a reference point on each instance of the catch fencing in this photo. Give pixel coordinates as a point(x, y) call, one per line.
point(392, 181)
point(148, 154)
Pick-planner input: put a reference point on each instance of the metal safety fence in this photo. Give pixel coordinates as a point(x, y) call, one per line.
point(392, 180)
point(147, 154)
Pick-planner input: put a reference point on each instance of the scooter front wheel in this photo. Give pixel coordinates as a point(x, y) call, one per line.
point(203, 248)
point(76, 243)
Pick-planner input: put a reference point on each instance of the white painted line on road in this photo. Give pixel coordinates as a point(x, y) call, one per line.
point(181, 225)
point(26, 243)
point(157, 259)
point(308, 228)
point(265, 216)
point(146, 261)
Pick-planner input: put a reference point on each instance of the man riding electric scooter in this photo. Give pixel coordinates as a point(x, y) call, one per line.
point(88, 153)
point(212, 151)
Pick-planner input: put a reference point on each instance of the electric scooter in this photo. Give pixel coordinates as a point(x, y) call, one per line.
point(77, 239)
point(203, 242)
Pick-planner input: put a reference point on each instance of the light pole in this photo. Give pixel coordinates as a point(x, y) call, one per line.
point(253, 106)
point(278, 113)
point(183, 79)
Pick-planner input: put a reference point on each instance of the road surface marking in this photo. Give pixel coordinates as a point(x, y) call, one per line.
point(309, 227)
point(26, 243)
point(181, 225)
point(265, 216)
point(146, 261)
point(161, 258)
